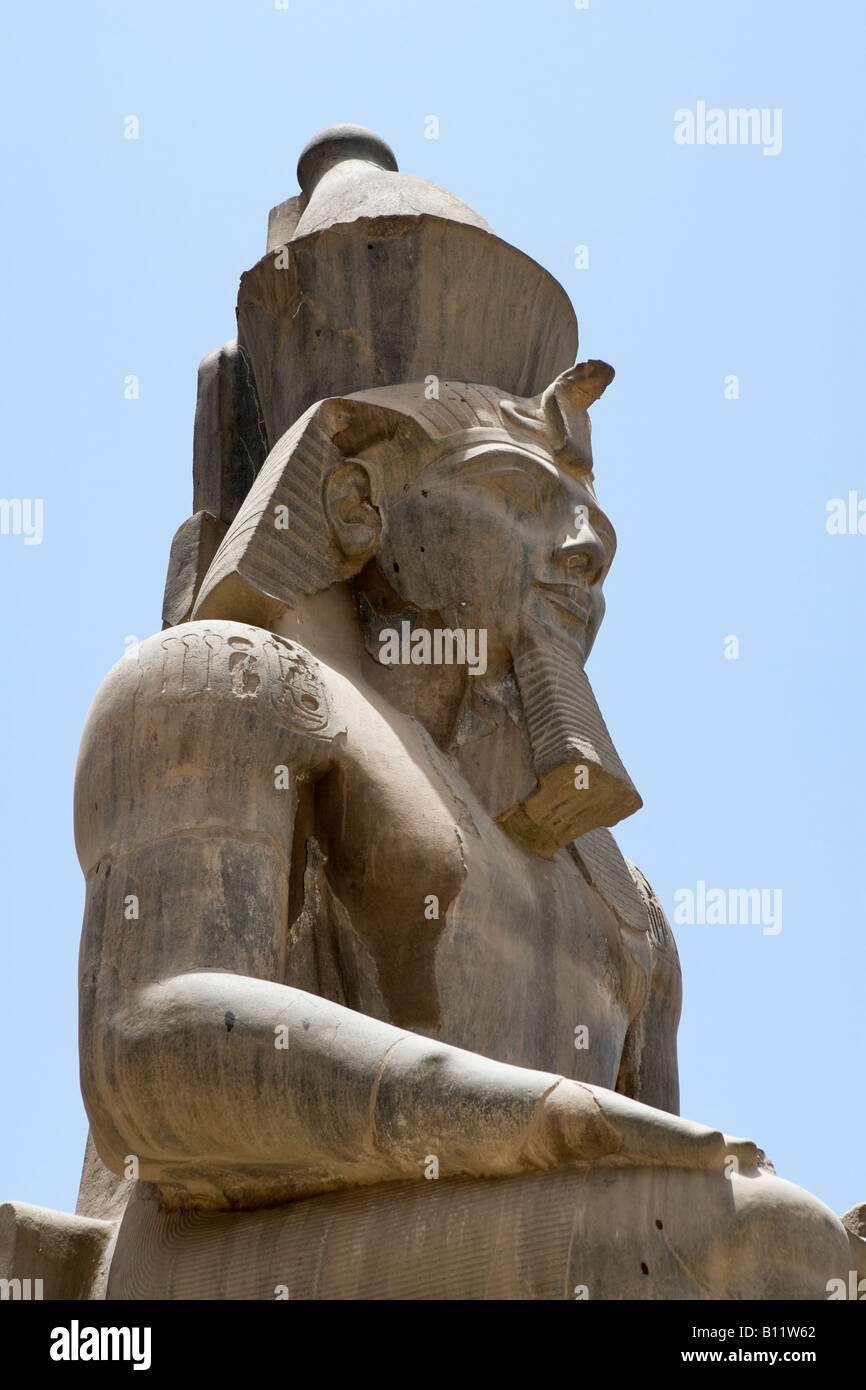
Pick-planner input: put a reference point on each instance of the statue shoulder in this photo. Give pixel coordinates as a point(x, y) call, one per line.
point(213, 663)
point(201, 716)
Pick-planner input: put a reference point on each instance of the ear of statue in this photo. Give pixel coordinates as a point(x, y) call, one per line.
point(349, 507)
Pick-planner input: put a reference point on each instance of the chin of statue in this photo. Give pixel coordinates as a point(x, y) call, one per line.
point(581, 781)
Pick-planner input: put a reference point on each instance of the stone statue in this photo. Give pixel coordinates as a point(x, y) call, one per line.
point(371, 1003)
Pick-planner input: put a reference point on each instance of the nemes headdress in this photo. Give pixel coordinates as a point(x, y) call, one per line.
point(279, 545)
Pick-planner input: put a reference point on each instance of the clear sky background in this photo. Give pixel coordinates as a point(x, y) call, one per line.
point(122, 257)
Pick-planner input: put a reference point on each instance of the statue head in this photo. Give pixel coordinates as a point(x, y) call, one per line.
point(449, 508)
point(446, 500)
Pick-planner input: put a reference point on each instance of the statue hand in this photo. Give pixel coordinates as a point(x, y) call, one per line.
point(590, 1123)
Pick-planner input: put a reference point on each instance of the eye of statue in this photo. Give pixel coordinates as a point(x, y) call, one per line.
point(517, 483)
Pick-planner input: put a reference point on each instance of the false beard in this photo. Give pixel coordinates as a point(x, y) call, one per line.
point(582, 783)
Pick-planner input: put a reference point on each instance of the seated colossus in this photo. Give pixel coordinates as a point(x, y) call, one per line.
point(344, 914)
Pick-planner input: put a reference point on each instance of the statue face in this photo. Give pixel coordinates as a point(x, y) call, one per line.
point(498, 536)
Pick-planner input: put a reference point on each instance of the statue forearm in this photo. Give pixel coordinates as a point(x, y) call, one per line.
point(230, 1088)
point(256, 1075)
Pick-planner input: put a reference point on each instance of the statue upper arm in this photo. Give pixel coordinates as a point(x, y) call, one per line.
point(196, 759)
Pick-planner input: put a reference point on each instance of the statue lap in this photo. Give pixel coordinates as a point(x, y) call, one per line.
point(596, 1233)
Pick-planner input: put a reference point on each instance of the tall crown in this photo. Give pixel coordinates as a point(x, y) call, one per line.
point(374, 278)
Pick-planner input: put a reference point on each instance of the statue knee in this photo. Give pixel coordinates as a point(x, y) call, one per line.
point(783, 1242)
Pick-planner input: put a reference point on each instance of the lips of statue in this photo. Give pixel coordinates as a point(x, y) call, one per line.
point(493, 537)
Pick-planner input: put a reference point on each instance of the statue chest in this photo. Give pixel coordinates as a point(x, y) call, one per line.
point(419, 910)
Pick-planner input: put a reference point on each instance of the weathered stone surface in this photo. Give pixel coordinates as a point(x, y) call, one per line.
point(857, 1252)
point(855, 1220)
point(194, 545)
point(347, 172)
point(228, 450)
point(102, 1195)
point(366, 281)
point(382, 300)
point(228, 439)
point(68, 1254)
point(282, 221)
point(642, 1233)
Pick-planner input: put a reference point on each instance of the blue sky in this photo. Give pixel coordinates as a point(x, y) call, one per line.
point(705, 261)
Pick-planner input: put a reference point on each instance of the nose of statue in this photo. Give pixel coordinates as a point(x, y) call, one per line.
point(582, 554)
